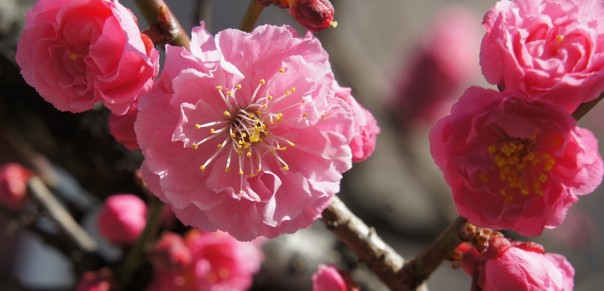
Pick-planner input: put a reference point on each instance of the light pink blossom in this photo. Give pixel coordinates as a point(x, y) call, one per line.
point(122, 127)
point(122, 218)
point(204, 261)
point(76, 53)
point(514, 164)
point(244, 133)
point(13, 186)
point(328, 278)
point(546, 49)
point(365, 126)
point(522, 266)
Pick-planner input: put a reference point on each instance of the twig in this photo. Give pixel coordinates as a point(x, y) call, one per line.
point(163, 26)
point(365, 243)
point(57, 212)
point(203, 12)
point(585, 107)
point(251, 16)
point(417, 270)
point(133, 259)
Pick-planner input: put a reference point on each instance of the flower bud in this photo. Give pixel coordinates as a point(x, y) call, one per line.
point(122, 218)
point(101, 280)
point(13, 186)
point(314, 15)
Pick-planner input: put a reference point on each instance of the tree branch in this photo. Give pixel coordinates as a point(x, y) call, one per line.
point(163, 26)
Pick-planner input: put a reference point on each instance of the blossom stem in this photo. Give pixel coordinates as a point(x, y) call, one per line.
point(163, 26)
point(135, 254)
point(365, 243)
point(585, 107)
point(417, 270)
point(251, 16)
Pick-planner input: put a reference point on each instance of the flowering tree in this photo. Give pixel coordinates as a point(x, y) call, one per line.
point(245, 135)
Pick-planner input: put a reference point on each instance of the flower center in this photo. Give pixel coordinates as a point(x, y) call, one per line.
point(245, 130)
point(520, 167)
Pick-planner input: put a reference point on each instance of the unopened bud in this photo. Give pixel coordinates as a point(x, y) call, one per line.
point(13, 186)
point(314, 15)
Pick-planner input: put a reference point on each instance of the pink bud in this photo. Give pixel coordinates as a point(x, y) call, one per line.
point(122, 218)
point(122, 127)
point(328, 278)
point(170, 253)
point(314, 15)
point(13, 186)
point(101, 280)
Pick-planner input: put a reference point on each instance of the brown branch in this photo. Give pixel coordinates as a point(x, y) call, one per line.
point(586, 107)
point(417, 270)
point(163, 26)
point(365, 243)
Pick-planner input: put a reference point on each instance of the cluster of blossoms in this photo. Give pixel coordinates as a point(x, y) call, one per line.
point(246, 132)
point(516, 159)
point(203, 261)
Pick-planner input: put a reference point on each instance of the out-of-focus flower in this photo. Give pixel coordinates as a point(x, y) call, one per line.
point(122, 218)
point(328, 278)
point(514, 164)
point(76, 53)
point(122, 127)
point(244, 132)
point(366, 128)
point(443, 64)
point(522, 266)
point(204, 261)
point(13, 185)
point(314, 15)
point(546, 49)
point(101, 280)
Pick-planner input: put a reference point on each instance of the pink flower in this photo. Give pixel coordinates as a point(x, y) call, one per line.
point(101, 280)
point(244, 132)
point(546, 49)
point(76, 53)
point(13, 186)
point(514, 164)
point(365, 127)
point(205, 262)
point(122, 127)
point(442, 65)
point(122, 218)
point(328, 278)
point(522, 266)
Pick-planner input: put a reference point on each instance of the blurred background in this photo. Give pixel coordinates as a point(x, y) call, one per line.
point(406, 61)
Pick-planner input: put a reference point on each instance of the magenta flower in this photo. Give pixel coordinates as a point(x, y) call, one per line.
point(366, 128)
point(328, 278)
point(514, 164)
point(439, 68)
point(244, 132)
point(122, 218)
point(76, 53)
point(101, 280)
point(204, 262)
point(522, 266)
point(13, 186)
point(546, 49)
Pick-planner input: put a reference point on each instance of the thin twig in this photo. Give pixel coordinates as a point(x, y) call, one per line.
point(586, 107)
point(38, 191)
point(417, 270)
point(203, 12)
point(251, 16)
point(163, 26)
point(135, 255)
